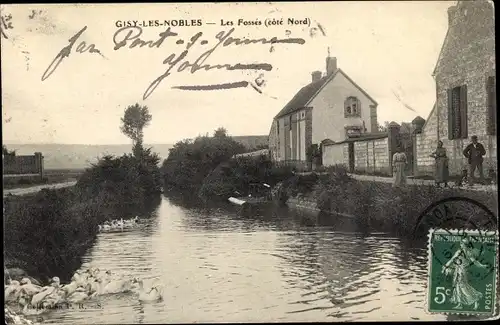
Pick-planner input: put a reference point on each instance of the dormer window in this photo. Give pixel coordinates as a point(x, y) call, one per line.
point(352, 107)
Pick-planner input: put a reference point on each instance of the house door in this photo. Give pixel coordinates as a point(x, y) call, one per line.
point(351, 157)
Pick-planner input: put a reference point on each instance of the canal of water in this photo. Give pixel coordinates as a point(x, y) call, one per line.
point(217, 266)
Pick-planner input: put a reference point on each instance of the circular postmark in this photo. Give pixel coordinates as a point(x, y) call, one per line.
point(455, 213)
point(471, 238)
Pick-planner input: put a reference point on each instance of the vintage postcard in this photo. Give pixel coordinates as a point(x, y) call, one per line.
point(249, 162)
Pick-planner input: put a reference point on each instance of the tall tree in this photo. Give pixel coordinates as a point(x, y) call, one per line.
point(220, 132)
point(134, 120)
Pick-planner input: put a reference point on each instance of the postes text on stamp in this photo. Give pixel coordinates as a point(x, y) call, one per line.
point(462, 272)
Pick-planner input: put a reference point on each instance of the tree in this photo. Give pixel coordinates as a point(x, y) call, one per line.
point(220, 132)
point(134, 120)
point(190, 161)
point(7, 152)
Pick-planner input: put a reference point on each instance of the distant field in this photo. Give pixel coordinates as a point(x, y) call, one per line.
point(63, 175)
point(60, 171)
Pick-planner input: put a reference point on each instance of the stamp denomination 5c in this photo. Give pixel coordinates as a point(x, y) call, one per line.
point(462, 272)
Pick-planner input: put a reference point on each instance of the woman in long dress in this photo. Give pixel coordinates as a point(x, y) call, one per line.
point(399, 164)
point(441, 173)
point(463, 292)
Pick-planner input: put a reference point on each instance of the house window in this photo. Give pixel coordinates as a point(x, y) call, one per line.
point(290, 122)
point(302, 114)
point(278, 126)
point(352, 107)
point(491, 94)
point(457, 113)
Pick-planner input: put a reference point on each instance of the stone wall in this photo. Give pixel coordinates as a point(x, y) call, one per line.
point(335, 154)
point(308, 131)
point(372, 156)
point(19, 165)
point(273, 141)
point(467, 58)
point(425, 144)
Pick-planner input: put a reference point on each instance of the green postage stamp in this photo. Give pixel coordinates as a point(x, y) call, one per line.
point(462, 272)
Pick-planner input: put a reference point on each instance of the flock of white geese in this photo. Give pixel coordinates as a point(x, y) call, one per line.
point(84, 285)
point(118, 224)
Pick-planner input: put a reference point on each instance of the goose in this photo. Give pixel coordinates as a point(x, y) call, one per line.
point(106, 276)
point(80, 294)
point(154, 294)
point(77, 277)
point(131, 222)
point(92, 273)
point(120, 224)
point(12, 291)
point(46, 291)
point(117, 286)
point(95, 287)
point(29, 287)
point(82, 279)
point(56, 297)
point(70, 287)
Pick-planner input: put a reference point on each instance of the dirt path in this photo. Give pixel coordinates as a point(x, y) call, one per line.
point(34, 189)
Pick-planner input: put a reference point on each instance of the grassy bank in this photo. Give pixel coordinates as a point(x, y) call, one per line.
point(47, 233)
point(380, 207)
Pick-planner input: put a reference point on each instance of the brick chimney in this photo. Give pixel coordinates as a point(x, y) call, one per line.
point(316, 75)
point(331, 65)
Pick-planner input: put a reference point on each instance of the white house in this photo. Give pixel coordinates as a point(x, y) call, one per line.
point(332, 106)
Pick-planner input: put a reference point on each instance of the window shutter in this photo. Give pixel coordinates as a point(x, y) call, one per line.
point(450, 115)
point(463, 112)
point(492, 105)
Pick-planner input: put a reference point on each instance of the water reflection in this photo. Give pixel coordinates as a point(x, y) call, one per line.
point(217, 266)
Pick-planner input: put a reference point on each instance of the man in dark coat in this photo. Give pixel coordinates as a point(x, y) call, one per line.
point(474, 152)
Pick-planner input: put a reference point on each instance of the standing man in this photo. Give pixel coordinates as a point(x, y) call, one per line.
point(474, 152)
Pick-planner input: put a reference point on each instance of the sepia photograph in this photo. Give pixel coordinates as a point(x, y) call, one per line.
point(249, 162)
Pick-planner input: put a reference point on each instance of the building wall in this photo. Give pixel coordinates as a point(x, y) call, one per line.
point(282, 138)
point(468, 57)
point(302, 140)
point(292, 143)
point(273, 141)
point(425, 144)
point(370, 156)
point(328, 120)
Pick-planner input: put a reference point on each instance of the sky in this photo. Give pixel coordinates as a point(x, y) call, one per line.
point(388, 48)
